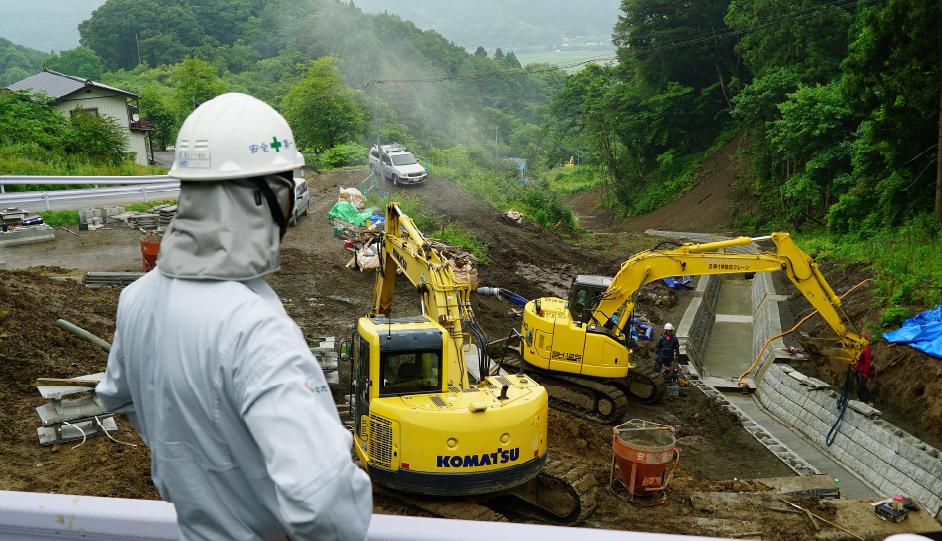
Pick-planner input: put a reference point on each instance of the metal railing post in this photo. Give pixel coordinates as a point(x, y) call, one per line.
point(144, 191)
point(46, 199)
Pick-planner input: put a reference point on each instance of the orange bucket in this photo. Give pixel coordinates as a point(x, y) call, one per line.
point(642, 451)
point(150, 245)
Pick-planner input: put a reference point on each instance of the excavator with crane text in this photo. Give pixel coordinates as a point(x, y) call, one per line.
point(430, 420)
point(583, 344)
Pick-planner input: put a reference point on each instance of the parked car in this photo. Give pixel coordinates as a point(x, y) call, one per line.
point(399, 165)
point(302, 199)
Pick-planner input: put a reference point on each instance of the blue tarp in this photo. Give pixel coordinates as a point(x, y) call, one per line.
point(923, 332)
point(675, 283)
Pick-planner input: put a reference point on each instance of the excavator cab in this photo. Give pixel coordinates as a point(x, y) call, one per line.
point(585, 293)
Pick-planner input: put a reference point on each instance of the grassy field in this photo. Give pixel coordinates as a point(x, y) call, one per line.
point(566, 58)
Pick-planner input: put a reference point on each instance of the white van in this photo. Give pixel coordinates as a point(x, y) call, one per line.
point(302, 199)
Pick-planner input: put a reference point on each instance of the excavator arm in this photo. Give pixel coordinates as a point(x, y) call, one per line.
point(445, 299)
point(699, 259)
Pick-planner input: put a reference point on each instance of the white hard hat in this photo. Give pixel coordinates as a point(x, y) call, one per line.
point(234, 136)
point(668, 327)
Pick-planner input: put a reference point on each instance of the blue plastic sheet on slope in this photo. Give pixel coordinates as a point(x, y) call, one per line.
point(923, 332)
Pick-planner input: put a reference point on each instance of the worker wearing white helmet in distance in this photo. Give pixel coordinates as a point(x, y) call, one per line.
point(218, 380)
point(666, 349)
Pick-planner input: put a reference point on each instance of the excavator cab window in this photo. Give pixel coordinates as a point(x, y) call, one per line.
point(410, 372)
point(585, 294)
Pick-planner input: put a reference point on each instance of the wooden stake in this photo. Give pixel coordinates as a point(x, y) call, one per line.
point(848, 532)
point(60, 382)
point(64, 228)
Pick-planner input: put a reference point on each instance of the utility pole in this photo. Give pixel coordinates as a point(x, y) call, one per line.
point(136, 40)
point(379, 149)
point(496, 148)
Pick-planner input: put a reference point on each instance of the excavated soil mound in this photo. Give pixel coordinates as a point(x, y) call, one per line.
point(325, 298)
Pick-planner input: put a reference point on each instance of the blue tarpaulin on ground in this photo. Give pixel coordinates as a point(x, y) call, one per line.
point(675, 283)
point(923, 332)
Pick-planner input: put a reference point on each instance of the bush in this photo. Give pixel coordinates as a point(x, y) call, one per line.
point(894, 316)
point(56, 218)
point(347, 154)
point(101, 138)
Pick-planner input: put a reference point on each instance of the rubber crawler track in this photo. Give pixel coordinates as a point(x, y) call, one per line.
point(578, 481)
point(644, 386)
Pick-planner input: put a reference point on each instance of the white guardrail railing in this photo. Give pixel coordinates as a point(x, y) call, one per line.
point(129, 185)
point(32, 516)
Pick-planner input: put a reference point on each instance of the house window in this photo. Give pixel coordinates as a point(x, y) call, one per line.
point(92, 111)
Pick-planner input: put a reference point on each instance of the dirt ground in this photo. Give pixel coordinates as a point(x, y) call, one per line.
point(325, 298)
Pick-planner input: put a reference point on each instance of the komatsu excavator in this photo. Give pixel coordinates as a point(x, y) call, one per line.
point(422, 424)
point(583, 342)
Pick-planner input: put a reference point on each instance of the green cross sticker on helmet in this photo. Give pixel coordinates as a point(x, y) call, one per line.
point(220, 141)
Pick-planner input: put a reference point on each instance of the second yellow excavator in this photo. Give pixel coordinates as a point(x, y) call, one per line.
point(582, 342)
point(427, 420)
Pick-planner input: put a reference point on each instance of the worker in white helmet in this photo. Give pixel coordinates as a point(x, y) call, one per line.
point(218, 380)
point(666, 349)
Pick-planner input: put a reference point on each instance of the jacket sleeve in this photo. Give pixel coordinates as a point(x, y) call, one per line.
point(289, 410)
point(114, 389)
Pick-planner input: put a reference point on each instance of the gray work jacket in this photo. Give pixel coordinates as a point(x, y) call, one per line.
point(244, 435)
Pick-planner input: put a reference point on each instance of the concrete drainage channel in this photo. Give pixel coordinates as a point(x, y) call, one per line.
point(882, 459)
point(776, 447)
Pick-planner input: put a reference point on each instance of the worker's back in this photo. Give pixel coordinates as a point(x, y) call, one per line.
point(243, 431)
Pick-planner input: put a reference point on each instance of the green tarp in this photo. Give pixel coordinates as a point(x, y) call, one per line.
point(349, 213)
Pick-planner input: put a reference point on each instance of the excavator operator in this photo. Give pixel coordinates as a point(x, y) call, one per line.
point(216, 378)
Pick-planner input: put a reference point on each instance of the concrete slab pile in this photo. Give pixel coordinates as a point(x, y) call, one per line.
point(109, 279)
point(890, 459)
point(65, 420)
point(324, 350)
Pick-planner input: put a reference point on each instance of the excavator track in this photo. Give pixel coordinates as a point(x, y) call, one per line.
point(577, 481)
point(645, 386)
point(595, 400)
point(560, 494)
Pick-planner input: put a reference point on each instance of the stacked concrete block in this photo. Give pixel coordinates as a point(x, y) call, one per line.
point(86, 216)
point(165, 213)
point(143, 221)
point(696, 327)
point(108, 213)
point(27, 235)
point(325, 351)
point(65, 420)
point(890, 459)
point(767, 322)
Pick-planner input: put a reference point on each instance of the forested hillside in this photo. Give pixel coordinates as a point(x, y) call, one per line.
point(838, 101)
point(510, 24)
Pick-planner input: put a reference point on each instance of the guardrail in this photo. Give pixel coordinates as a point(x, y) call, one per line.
point(143, 185)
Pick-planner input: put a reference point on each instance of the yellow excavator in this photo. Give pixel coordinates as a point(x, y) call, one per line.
point(582, 342)
point(429, 418)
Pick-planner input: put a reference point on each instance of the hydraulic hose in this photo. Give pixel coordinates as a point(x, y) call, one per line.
point(841, 405)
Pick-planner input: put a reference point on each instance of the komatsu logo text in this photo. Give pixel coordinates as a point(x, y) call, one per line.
point(400, 259)
point(502, 456)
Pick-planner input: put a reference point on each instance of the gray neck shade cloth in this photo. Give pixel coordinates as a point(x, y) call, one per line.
point(223, 230)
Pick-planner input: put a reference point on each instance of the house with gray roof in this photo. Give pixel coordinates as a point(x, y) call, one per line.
point(73, 94)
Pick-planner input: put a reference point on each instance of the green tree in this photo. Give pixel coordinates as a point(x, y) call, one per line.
point(894, 80)
point(480, 51)
point(813, 140)
point(195, 83)
point(78, 62)
point(321, 109)
point(510, 60)
point(812, 48)
point(154, 109)
point(498, 54)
